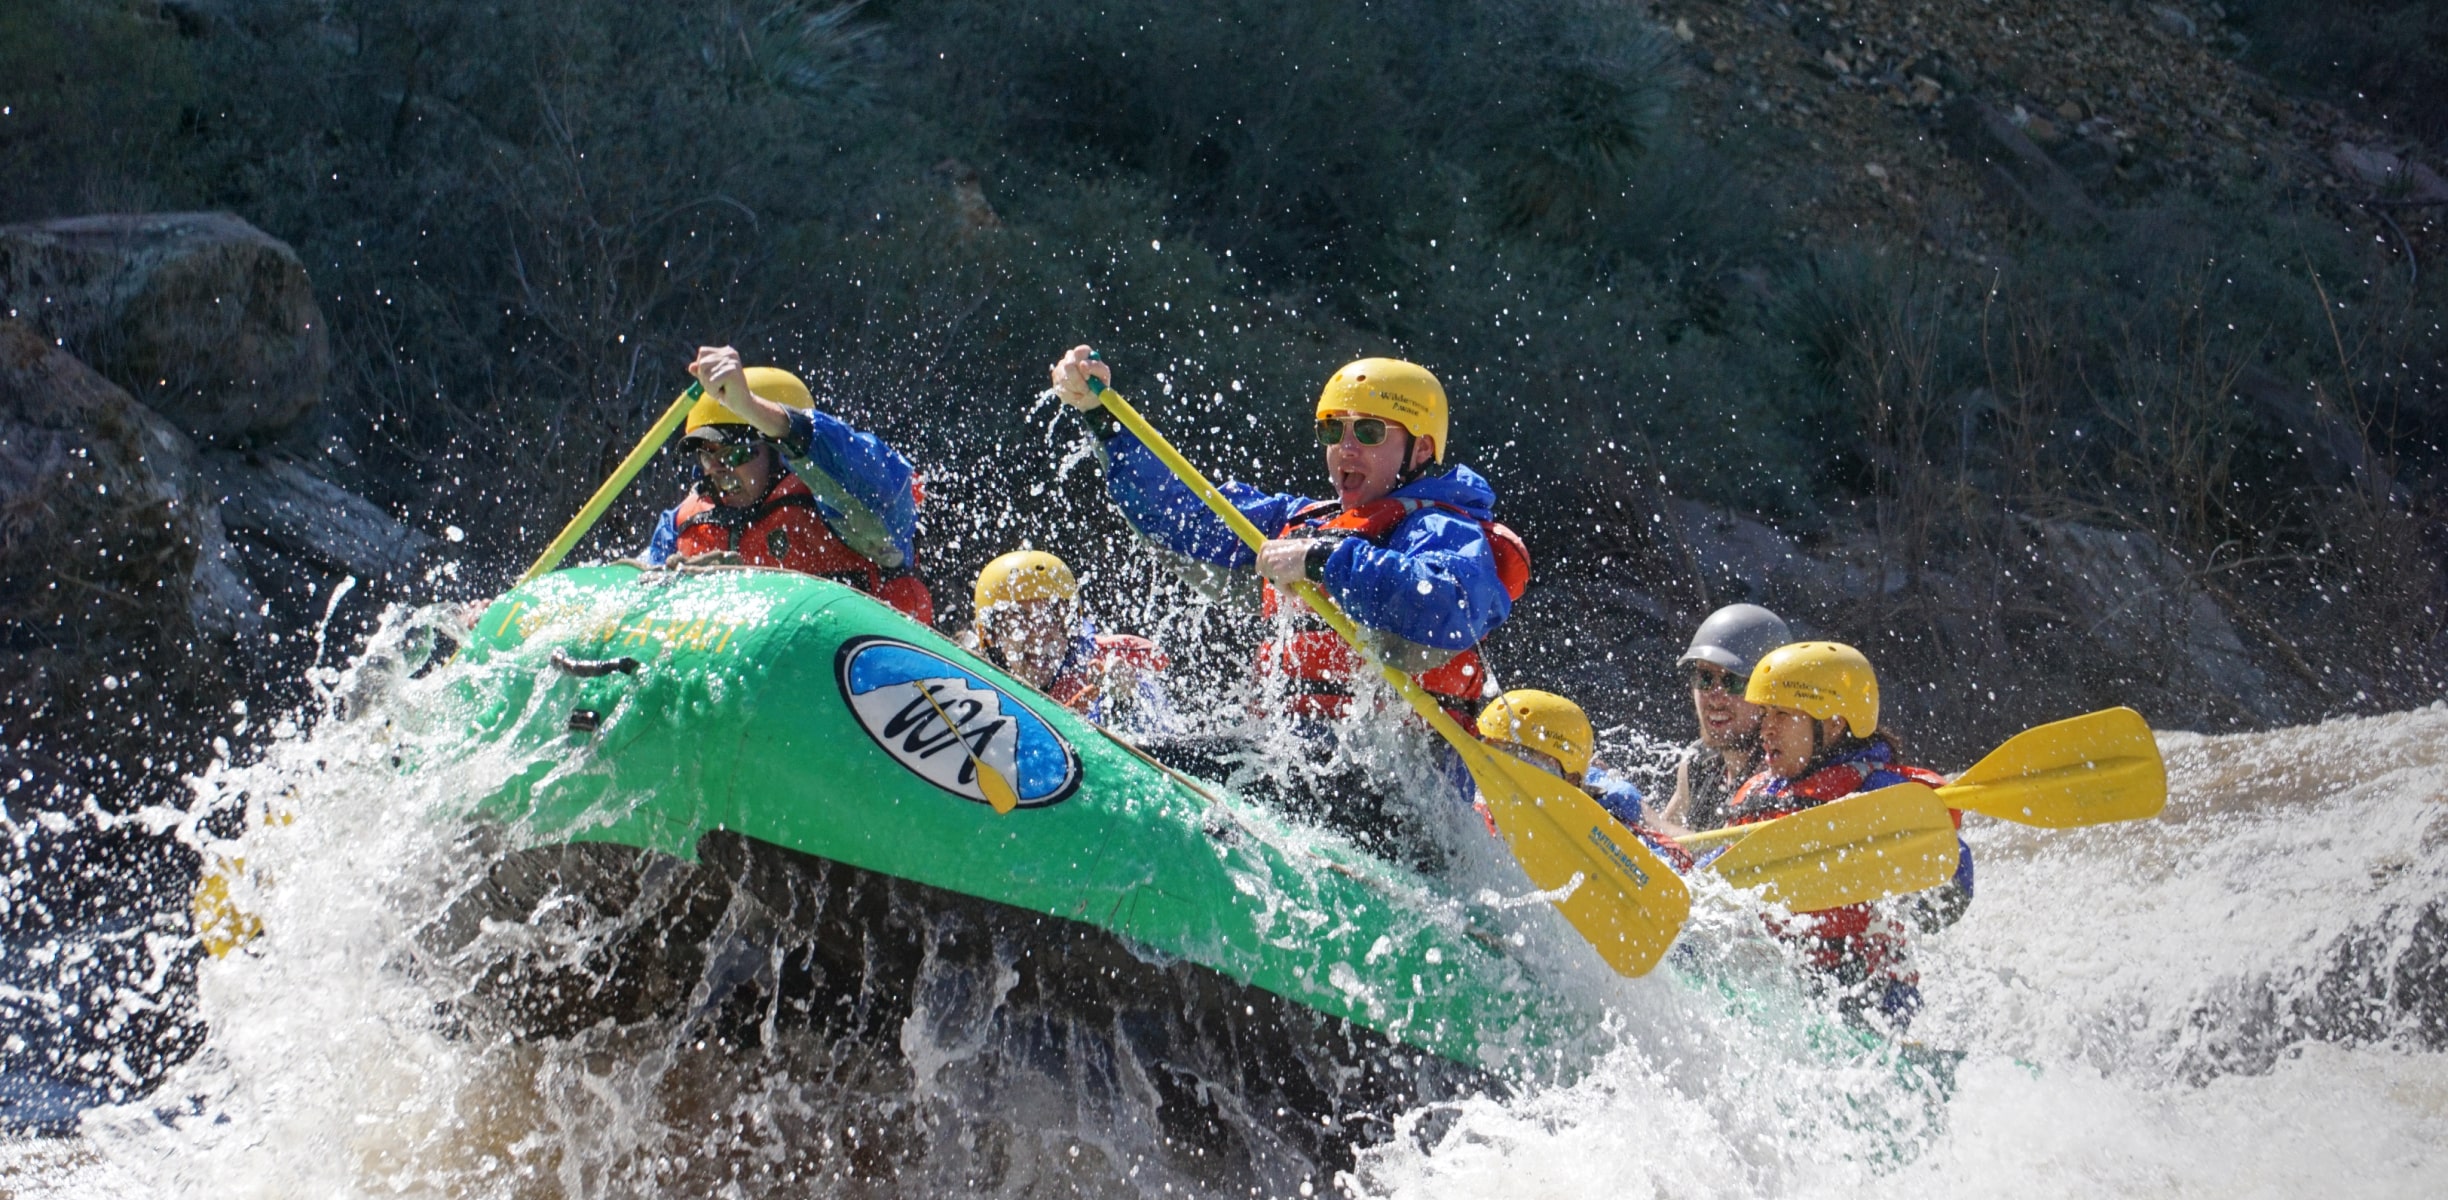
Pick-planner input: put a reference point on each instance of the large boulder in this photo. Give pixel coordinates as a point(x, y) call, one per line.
point(206, 319)
point(119, 603)
point(105, 520)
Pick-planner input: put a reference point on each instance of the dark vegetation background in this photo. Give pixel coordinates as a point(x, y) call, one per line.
point(522, 217)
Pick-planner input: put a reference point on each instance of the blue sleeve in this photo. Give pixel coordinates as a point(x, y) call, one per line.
point(1963, 867)
point(666, 537)
point(1434, 582)
point(873, 474)
point(1618, 796)
point(1165, 511)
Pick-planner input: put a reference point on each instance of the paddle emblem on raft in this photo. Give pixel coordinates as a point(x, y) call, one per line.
point(903, 696)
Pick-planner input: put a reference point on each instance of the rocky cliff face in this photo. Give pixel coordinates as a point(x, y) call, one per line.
point(2078, 617)
point(1946, 125)
point(160, 550)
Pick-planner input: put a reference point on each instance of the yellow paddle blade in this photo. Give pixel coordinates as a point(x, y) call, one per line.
point(1627, 904)
point(998, 790)
point(2086, 770)
point(220, 924)
point(1861, 848)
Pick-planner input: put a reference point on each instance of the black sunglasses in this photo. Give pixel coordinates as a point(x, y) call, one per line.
point(1368, 431)
point(1706, 677)
point(729, 456)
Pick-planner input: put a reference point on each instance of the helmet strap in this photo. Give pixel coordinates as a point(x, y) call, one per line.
point(1411, 474)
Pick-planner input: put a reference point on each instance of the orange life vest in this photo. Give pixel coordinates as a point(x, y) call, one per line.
point(785, 530)
point(1317, 662)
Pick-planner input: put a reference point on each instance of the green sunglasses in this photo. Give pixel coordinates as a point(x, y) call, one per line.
point(1368, 431)
point(729, 456)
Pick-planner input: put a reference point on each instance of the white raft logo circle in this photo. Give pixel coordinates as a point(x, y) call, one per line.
point(932, 715)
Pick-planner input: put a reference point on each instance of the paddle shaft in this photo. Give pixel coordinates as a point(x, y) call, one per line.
point(1310, 593)
point(613, 485)
point(999, 793)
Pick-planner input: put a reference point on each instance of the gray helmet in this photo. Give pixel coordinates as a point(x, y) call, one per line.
point(1736, 636)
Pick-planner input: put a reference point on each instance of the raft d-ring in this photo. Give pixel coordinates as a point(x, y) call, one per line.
point(595, 668)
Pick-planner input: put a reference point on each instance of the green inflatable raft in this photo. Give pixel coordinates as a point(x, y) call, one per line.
point(673, 716)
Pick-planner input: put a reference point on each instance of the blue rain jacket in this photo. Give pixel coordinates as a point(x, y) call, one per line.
point(1433, 582)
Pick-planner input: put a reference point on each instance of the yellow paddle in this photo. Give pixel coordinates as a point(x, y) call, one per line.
point(1616, 893)
point(1884, 843)
point(612, 485)
point(2093, 769)
point(2086, 770)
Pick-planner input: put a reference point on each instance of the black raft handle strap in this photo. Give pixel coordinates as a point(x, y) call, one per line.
point(595, 668)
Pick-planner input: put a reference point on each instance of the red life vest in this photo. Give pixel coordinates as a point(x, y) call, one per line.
point(785, 530)
point(1317, 662)
point(1855, 936)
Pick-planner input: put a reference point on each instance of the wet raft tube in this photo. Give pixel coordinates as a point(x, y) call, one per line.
point(653, 709)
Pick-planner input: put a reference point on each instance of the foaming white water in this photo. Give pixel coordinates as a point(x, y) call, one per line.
point(2141, 1009)
point(326, 1073)
point(2229, 1001)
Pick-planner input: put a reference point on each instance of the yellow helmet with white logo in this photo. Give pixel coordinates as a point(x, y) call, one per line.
point(1821, 680)
point(1401, 392)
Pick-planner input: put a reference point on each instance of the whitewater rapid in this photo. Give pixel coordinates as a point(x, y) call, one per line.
point(2243, 998)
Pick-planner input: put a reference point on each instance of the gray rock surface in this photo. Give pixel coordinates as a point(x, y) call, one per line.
point(204, 318)
point(1736, 559)
point(276, 499)
point(2150, 621)
point(105, 520)
point(1972, 643)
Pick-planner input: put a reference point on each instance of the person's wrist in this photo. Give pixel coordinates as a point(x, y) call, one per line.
point(1099, 421)
point(1313, 564)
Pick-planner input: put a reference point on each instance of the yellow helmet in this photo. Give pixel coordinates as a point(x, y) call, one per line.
point(1821, 679)
point(1022, 576)
point(1401, 392)
point(771, 383)
point(1542, 721)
